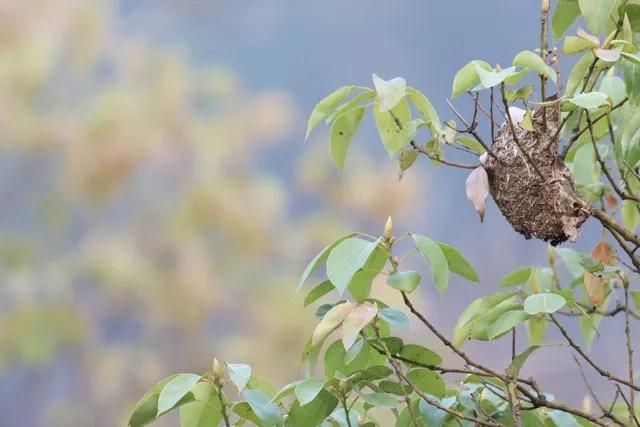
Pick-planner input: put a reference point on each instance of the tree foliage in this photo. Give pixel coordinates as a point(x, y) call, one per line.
point(368, 374)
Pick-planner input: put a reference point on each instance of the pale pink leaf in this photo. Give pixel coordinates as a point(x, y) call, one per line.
point(357, 319)
point(331, 321)
point(478, 190)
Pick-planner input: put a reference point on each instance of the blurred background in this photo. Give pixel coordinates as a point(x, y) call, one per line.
point(158, 204)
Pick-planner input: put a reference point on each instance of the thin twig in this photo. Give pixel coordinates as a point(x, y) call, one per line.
point(605, 413)
point(515, 136)
point(627, 332)
point(632, 412)
point(603, 372)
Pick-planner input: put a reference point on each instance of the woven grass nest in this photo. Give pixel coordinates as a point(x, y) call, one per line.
point(546, 208)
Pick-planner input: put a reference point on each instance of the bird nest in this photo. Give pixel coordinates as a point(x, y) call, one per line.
point(539, 201)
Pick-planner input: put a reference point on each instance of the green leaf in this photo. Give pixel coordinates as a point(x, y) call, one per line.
point(578, 74)
point(635, 295)
point(506, 322)
point(313, 413)
point(434, 417)
point(360, 285)
point(327, 106)
point(480, 314)
point(543, 303)
point(205, 411)
point(614, 87)
point(391, 134)
point(318, 292)
point(531, 60)
point(239, 374)
point(427, 381)
point(629, 213)
point(572, 260)
point(420, 354)
point(244, 411)
point(394, 388)
point(308, 389)
point(573, 44)
point(388, 92)
point(396, 318)
point(257, 383)
point(524, 93)
point(631, 129)
point(342, 130)
point(490, 79)
point(358, 101)
point(457, 263)
point(631, 72)
point(590, 100)
point(267, 411)
point(319, 259)
point(381, 400)
point(467, 77)
point(433, 254)
point(146, 409)
point(406, 159)
point(565, 13)
point(589, 324)
point(346, 258)
point(175, 390)
point(518, 361)
point(471, 143)
point(426, 110)
point(536, 328)
point(596, 13)
point(285, 391)
point(406, 281)
point(517, 277)
point(335, 360)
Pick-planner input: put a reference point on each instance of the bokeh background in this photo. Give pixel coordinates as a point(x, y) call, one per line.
point(158, 203)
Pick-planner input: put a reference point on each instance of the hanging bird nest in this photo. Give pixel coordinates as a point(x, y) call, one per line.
point(539, 201)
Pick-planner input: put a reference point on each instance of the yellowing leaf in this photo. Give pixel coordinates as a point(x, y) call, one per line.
point(477, 187)
point(596, 288)
point(327, 106)
point(531, 60)
point(467, 77)
point(330, 322)
point(342, 131)
point(357, 319)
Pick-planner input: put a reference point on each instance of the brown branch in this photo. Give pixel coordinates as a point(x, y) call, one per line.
point(471, 127)
point(603, 166)
point(609, 313)
point(543, 54)
point(397, 370)
point(632, 412)
point(443, 161)
point(578, 132)
point(539, 400)
point(611, 223)
point(627, 332)
point(605, 413)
